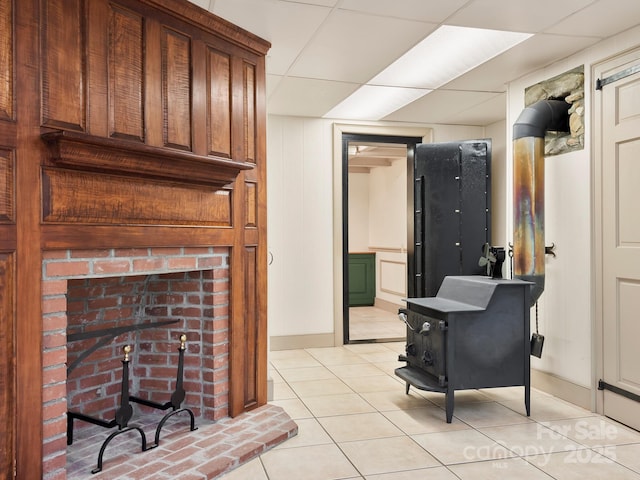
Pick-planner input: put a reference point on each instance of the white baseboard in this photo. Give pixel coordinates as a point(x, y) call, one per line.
point(387, 306)
point(292, 342)
point(561, 388)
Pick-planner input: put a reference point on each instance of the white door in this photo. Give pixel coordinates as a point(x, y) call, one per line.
point(619, 163)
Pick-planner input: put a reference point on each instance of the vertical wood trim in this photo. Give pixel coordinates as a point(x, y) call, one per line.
point(28, 331)
point(63, 104)
point(261, 223)
point(7, 363)
point(250, 315)
point(7, 94)
point(126, 81)
point(176, 89)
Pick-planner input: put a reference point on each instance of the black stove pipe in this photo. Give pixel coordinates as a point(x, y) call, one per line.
point(528, 187)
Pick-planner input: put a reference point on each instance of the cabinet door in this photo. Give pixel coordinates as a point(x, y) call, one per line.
point(362, 279)
point(451, 205)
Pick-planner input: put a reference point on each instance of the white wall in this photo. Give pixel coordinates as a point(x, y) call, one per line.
point(359, 212)
point(565, 307)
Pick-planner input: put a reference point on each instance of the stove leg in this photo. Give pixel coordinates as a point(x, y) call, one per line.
point(527, 399)
point(406, 391)
point(449, 404)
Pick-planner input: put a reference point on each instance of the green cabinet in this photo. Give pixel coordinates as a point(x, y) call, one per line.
point(362, 279)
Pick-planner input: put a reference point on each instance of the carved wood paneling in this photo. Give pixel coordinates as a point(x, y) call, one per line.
point(7, 190)
point(7, 399)
point(250, 112)
point(126, 75)
point(219, 103)
point(62, 64)
point(251, 209)
point(85, 197)
point(6, 60)
point(176, 89)
point(251, 324)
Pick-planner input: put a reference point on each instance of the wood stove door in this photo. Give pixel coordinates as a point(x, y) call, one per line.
point(451, 202)
point(426, 345)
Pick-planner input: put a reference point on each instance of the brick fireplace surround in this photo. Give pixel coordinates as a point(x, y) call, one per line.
point(125, 286)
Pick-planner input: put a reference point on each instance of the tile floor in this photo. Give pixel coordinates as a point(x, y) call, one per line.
point(372, 323)
point(355, 422)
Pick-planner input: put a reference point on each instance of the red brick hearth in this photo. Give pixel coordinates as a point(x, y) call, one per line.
point(169, 292)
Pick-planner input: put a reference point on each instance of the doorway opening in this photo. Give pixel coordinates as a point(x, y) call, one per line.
point(374, 235)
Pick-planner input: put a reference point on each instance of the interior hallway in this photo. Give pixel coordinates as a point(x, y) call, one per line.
point(355, 422)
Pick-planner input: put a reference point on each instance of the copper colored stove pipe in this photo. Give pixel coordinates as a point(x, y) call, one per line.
point(528, 189)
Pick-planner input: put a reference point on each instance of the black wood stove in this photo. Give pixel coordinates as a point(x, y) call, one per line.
point(473, 334)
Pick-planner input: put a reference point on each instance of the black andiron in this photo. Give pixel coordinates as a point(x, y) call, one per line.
point(125, 412)
point(121, 420)
point(177, 397)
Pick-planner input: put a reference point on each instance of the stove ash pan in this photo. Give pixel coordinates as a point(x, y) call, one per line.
point(473, 334)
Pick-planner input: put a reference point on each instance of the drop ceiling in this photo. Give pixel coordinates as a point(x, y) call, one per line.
point(323, 50)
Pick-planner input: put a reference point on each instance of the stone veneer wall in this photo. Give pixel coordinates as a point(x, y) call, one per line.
point(568, 86)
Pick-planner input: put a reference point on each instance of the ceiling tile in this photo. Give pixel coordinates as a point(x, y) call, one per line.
point(435, 11)
point(306, 97)
point(442, 106)
point(354, 47)
point(287, 25)
point(597, 19)
point(515, 15)
point(535, 53)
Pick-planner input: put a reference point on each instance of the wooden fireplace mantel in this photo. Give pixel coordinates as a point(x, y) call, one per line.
point(124, 124)
point(113, 155)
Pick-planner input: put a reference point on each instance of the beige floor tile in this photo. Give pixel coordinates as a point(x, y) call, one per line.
point(365, 426)
point(364, 348)
point(580, 465)
point(512, 394)
point(423, 420)
point(351, 371)
point(389, 367)
point(294, 408)
point(530, 439)
point(306, 373)
point(594, 431)
point(395, 400)
point(627, 455)
point(310, 432)
point(387, 455)
point(383, 356)
point(282, 391)
point(546, 408)
point(461, 446)
point(377, 383)
point(252, 470)
point(315, 388)
point(317, 462)
point(507, 469)
point(487, 414)
point(434, 473)
point(336, 356)
point(330, 405)
point(297, 361)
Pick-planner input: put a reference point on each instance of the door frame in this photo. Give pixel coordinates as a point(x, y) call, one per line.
point(599, 70)
point(340, 241)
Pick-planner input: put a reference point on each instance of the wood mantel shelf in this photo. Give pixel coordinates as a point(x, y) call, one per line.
point(88, 152)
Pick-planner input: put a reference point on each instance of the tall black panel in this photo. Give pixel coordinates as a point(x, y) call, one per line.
point(451, 212)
